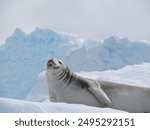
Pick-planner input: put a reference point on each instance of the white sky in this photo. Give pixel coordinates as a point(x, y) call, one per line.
point(87, 18)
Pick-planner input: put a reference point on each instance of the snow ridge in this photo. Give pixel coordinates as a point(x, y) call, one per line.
point(24, 56)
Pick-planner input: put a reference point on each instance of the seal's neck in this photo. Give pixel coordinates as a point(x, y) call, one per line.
point(66, 75)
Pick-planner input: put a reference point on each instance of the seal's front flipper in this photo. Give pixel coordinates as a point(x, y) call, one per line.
point(100, 94)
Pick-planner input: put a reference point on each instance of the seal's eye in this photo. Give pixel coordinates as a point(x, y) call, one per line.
point(59, 62)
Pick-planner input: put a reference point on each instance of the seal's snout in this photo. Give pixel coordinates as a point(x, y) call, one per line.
point(51, 60)
point(52, 63)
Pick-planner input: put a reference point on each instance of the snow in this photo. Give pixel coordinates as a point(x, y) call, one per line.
point(14, 105)
point(112, 53)
point(134, 75)
point(39, 92)
point(24, 56)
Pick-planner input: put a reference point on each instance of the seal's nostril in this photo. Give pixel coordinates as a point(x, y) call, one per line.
point(51, 60)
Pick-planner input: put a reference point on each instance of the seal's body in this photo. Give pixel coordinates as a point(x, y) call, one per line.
point(127, 97)
point(66, 86)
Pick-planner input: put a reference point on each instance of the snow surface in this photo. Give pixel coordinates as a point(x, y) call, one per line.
point(14, 105)
point(23, 61)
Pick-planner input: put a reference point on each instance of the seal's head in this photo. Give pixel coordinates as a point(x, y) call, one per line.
point(58, 71)
point(55, 65)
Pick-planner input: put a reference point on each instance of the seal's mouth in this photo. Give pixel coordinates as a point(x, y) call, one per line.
point(51, 64)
